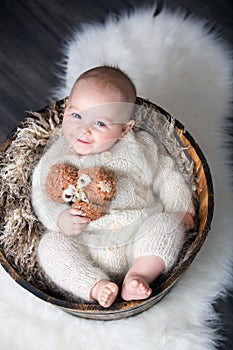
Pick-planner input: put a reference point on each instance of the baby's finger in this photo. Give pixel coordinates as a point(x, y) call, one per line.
point(78, 228)
point(80, 220)
point(74, 211)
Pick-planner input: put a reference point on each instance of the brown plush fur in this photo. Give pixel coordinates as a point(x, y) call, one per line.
point(98, 192)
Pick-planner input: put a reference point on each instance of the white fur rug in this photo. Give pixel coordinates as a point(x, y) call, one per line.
point(178, 65)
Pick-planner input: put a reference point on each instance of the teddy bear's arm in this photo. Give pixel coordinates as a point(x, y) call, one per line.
point(45, 209)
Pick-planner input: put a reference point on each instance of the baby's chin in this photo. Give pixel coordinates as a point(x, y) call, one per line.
point(82, 152)
point(85, 151)
point(82, 149)
point(93, 150)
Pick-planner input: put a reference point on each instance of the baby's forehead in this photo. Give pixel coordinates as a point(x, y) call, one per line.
point(109, 112)
point(104, 98)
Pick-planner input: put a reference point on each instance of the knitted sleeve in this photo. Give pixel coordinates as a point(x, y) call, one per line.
point(46, 210)
point(167, 181)
point(170, 185)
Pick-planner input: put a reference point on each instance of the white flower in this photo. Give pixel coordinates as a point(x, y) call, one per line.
point(77, 193)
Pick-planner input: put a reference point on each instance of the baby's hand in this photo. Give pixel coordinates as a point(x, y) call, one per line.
point(187, 222)
point(71, 223)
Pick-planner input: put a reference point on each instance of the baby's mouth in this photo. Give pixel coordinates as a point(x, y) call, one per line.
point(83, 141)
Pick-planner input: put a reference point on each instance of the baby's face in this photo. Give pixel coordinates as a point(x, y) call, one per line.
point(94, 121)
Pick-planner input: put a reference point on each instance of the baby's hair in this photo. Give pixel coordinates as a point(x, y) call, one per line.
point(111, 77)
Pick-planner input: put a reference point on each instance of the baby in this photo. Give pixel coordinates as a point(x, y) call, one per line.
point(140, 236)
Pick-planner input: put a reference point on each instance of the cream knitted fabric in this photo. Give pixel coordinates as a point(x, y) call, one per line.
point(140, 220)
point(67, 263)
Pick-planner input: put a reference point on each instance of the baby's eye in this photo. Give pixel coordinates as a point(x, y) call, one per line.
point(98, 123)
point(76, 116)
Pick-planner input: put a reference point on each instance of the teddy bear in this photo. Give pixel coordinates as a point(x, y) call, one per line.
point(89, 190)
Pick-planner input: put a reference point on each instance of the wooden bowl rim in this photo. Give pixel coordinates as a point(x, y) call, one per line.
point(94, 311)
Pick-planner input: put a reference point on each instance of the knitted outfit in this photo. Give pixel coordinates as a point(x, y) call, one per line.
point(140, 221)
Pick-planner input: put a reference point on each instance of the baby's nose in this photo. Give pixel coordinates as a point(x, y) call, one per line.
point(87, 130)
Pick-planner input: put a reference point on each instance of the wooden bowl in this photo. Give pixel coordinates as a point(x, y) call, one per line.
point(46, 120)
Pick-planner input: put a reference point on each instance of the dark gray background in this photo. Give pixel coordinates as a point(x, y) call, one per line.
point(32, 33)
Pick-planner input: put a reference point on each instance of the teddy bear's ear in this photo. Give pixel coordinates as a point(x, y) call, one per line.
point(59, 178)
point(53, 183)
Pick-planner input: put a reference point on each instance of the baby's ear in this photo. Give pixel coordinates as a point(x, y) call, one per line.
point(127, 127)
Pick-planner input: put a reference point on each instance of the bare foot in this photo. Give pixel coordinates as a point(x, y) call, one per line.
point(135, 288)
point(105, 292)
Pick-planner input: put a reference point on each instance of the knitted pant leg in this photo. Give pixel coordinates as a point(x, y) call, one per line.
point(160, 235)
point(68, 264)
